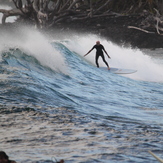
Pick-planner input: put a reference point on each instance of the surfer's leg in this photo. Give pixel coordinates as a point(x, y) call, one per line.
point(97, 56)
point(103, 58)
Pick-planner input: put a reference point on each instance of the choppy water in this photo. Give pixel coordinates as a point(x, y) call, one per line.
point(55, 103)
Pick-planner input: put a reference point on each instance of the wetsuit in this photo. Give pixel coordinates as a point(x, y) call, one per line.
point(99, 52)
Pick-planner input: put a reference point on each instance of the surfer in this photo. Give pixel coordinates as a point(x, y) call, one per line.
point(99, 52)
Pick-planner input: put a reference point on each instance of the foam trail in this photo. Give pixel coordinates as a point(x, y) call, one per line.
point(33, 43)
point(127, 58)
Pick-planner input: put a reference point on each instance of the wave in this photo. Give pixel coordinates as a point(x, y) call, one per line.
point(52, 53)
point(38, 68)
point(51, 94)
point(148, 69)
point(34, 44)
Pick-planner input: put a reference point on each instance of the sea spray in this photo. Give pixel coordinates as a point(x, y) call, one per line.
point(33, 43)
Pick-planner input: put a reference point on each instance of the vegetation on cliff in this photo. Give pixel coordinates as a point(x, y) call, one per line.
point(46, 13)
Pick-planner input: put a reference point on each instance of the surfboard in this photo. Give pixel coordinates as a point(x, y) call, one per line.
point(119, 70)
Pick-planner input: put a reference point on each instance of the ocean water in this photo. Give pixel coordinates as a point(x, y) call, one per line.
point(55, 103)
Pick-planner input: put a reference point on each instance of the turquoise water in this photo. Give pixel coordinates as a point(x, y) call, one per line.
point(55, 103)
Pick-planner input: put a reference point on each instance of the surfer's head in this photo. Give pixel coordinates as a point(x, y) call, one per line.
point(97, 42)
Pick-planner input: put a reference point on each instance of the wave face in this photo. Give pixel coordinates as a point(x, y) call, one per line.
point(51, 96)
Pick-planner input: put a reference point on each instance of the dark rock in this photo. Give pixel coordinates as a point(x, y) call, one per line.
point(116, 30)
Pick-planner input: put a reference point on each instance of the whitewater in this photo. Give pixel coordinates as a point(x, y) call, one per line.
point(55, 103)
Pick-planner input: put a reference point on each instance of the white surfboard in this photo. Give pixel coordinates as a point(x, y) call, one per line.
point(119, 70)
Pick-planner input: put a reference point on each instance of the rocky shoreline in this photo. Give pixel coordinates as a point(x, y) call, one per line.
point(115, 29)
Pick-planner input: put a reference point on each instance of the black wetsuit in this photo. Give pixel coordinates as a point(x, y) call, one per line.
point(99, 52)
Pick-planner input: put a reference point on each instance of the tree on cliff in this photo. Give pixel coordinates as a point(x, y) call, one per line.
point(45, 13)
point(136, 6)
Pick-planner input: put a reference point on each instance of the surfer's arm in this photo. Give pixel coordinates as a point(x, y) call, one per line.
point(88, 52)
point(106, 53)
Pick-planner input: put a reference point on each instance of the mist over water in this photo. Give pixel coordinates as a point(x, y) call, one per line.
point(54, 102)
